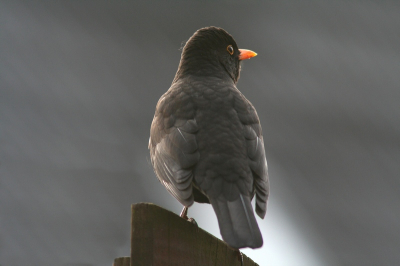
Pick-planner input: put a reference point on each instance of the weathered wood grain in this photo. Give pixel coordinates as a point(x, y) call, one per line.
point(161, 238)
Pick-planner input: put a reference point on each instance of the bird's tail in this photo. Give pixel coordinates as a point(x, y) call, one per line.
point(237, 222)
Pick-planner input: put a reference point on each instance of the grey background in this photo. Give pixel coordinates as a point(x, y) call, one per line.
point(79, 81)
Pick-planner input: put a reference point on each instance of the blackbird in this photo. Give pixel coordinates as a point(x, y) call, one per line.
point(206, 143)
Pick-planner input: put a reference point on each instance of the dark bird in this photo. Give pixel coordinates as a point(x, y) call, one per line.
point(206, 143)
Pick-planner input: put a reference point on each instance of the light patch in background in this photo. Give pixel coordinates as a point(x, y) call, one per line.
point(289, 238)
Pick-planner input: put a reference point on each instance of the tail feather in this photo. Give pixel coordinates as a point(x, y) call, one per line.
point(237, 222)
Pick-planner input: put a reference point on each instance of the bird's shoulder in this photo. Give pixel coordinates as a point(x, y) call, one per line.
point(176, 101)
point(174, 109)
point(246, 111)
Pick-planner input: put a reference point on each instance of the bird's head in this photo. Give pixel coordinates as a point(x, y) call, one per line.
point(212, 51)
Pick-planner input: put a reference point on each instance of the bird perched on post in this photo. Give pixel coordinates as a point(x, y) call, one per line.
point(206, 143)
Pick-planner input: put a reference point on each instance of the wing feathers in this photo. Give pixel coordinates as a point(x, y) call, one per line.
point(258, 165)
point(174, 155)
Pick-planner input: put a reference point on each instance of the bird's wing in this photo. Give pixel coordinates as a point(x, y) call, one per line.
point(173, 151)
point(255, 151)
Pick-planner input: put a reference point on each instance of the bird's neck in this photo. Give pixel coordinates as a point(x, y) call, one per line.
point(201, 67)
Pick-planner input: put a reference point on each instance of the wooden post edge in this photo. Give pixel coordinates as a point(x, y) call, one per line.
point(160, 237)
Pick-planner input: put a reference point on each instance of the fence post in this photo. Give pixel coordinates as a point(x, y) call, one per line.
point(162, 238)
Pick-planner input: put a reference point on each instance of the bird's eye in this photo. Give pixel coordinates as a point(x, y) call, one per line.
point(230, 49)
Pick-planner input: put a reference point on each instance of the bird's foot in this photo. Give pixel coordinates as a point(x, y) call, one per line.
point(193, 221)
point(184, 216)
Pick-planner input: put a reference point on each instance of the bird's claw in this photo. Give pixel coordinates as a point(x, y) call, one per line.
point(193, 221)
point(184, 216)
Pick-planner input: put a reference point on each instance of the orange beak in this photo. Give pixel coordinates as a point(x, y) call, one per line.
point(246, 54)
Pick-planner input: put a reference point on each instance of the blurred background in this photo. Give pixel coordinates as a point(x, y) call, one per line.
point(79, 81)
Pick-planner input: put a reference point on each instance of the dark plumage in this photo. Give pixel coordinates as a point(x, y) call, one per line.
point(206, 143)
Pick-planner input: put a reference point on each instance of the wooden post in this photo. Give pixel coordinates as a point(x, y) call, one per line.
point(162, 238)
